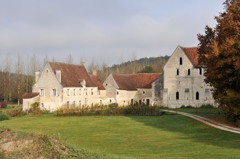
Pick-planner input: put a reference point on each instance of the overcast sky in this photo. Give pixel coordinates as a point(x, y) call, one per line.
point(102, 31)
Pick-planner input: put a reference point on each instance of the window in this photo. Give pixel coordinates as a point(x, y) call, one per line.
point(106, 84)
point(143, 92)
point(189, 72)
point(197, 95)
point(207, 90)
point(100, 102)
point(200, 71)
point(110, 101)
point(67, 103)
point(74, 103)
point(42, 92)
point(186, 90)
point(117, 93)
point(177, 95)
point(177, 72)
point(68, 93)
point(74, 92)
point(180, 61)
point(54, 92)
point(79, 91)
point(86, 91)
point(80, 103)
point(91, 93)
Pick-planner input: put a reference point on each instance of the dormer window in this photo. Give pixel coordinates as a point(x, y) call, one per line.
point(82, 83)
point(180, 61)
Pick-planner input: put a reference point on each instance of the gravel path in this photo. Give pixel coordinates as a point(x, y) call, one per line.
point(207, 121)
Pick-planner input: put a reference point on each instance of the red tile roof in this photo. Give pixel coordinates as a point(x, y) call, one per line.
point(29, 95)
point(192, 54)
point(97, 82)
point(134, 81)
point(72, 75)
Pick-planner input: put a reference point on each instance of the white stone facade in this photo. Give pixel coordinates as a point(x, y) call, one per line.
point(184, 83)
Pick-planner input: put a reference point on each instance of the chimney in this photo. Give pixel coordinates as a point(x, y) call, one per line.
point(94, 72)
point(59, 75)
point(37, 75)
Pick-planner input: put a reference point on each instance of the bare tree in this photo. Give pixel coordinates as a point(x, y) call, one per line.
point(69, 59)
point(19, 79)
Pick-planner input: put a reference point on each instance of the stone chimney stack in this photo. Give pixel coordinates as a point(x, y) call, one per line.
point(94, 72)
point(37, 75)
point(59, 75)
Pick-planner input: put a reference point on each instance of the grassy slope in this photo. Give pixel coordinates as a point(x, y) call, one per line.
point(169, 136)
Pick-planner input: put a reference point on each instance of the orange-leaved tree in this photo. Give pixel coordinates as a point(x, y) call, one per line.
point(219, 51)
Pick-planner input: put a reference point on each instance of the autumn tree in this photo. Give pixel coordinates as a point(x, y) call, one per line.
point(219, 51)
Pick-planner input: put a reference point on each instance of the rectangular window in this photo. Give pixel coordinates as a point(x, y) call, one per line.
point(54, 92)
point(180, 61)
point(177, 72)
point(186, 90)
point(68, 92)
point(177, 95)
point(143, 92)
point(200, 71)
point(207, 90)
point(74, 92)
point(42, 92)
point(189, 72)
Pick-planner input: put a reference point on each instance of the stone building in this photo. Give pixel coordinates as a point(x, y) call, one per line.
point(125, 89)
point(184, 80)
point(62, 84)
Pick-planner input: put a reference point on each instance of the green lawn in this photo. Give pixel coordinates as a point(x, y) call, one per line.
point(168, 136)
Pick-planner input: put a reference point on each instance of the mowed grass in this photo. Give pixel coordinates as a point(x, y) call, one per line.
point(167, 136)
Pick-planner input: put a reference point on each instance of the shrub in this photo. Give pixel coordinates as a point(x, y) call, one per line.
point(3, 104)
point(15, 112)
point(134, 109)
point(207, 106)
point(35, 109)
point(4, 117)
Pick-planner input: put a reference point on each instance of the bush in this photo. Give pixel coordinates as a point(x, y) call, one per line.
point(15, 112)
point(35, 109)
point(4, 117)
point(143, 110)
point(3, 104)
point(188, 106)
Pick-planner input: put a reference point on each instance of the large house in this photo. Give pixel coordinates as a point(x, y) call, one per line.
point(62, 84)
point(184, 80)
point(125, 89)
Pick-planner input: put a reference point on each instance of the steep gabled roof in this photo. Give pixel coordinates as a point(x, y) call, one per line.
point(72, 75)
point(29, 95)
point(135, 81)
point(192, 54)
point(97, 82)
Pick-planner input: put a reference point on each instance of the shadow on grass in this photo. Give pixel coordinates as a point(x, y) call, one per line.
point(191, 129)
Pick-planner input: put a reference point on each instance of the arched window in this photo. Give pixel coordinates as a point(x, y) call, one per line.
point(197, 95)
point(177, 95)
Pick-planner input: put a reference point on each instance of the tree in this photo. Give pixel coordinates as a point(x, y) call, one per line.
point(147, 69)
point(219, 51)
